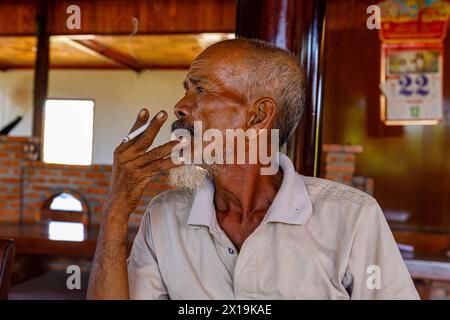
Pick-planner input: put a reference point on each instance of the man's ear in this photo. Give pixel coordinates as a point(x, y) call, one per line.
point(262, 114)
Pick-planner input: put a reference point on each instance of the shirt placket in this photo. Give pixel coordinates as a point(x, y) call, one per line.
point(242, 266)
point(245, 271)
point(225, 248)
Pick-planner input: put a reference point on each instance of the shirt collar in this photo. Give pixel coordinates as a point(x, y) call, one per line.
point(291, 205)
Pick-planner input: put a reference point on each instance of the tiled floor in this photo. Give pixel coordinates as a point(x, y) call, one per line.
point(49, 286)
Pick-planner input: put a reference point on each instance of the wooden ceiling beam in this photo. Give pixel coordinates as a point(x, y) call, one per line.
point(4, 66)
point(99, 50)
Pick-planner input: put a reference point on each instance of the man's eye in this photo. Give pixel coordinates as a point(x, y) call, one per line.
point(199, 89)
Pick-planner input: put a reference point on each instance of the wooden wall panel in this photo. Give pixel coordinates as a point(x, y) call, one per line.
point(115, 16)
point(410, 164)
point(18, 18)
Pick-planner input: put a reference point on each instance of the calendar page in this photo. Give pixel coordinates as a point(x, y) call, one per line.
point(413, 82)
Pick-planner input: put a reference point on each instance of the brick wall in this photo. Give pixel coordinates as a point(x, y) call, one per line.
point(14, 153)
point(26, 184)
point(340, 161)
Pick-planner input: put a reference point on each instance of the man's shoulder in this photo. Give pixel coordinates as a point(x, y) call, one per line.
point(174, 203)
point(320, 190)
point(173, 196)
point(342, 207)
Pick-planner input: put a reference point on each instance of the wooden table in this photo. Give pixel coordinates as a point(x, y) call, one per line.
point(428, 267)
point(35, 239)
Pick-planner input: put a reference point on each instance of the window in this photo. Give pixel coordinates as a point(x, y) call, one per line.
point(66, 202)
point(67, 216)
point(68, 131)
point(66, 231)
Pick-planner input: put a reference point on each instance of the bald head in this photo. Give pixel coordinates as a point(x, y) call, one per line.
point(265, 71)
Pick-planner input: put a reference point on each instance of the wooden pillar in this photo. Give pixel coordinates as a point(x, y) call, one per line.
point(271, 20)
point(296, 25)
point(40, 72)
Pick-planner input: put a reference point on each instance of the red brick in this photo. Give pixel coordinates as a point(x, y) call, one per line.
point(39, 188)
point(82, 182)
point(14, 204)
point(339, 168)
point(10, 163)
point(97, 191)
point(9, 212)
point(20, 155)
point(332, 177)
point(10, 180)
point(352, 148)
point(59, 181)
point(33, 195)
point(340, 157)
point(33, 205)
point(49, 172)
point(349, 157)
point(95, 175)
point(347, 178)
point(16, 171)
point(101, 167)
point(331, 148)
point(8, 139)
point(13, 147)
point(15, 190)
point(102, 183)
point(37, 180)
point(90, 175)
point(71, 173)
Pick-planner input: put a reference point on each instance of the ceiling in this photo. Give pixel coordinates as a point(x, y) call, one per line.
point(137, 52)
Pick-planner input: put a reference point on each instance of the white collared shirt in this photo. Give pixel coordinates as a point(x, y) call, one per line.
point(318, 240)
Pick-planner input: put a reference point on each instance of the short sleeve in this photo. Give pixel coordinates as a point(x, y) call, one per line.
point(144, 277)
point(376, 269)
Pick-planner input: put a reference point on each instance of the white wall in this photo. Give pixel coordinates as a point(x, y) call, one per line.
point(118, 96)
point(16, 99)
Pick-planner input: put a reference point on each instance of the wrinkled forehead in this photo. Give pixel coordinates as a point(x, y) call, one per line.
point(219, 65)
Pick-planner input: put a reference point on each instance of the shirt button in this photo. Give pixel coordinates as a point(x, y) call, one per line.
point(230, 250)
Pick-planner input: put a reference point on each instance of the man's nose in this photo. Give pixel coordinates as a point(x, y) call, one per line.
point(181, 109)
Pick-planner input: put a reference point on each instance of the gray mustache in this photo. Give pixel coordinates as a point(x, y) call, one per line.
point(181, 124)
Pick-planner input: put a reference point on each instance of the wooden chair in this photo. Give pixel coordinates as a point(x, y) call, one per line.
point(6, 264)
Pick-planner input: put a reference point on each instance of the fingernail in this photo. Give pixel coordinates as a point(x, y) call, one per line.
point(143, 113)
point(160, 115)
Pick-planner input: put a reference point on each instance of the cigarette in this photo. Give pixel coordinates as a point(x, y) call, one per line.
point(136, 132)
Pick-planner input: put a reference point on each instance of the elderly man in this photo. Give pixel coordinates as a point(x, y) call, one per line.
point(234, 233)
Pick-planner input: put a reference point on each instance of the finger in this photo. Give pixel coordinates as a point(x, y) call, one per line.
point(157, 166)
point(155, 154)
point(141, 119)
point(146, 139)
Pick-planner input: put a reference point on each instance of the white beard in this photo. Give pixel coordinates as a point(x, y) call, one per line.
point(187, 176)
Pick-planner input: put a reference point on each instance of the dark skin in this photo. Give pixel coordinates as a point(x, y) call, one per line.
point(216, 95)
